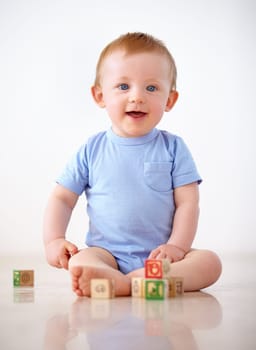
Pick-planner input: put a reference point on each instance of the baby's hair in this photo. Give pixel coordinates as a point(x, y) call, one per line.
point(137, 42)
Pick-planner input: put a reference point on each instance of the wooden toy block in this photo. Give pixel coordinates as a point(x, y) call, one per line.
point(138, 287)
point(155, 268)
point(102, 288)
point(176, 286)
point(155, 289)
point(23, 278)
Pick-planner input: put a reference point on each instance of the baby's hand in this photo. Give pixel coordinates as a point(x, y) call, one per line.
point(167, 251)
point(59, 251)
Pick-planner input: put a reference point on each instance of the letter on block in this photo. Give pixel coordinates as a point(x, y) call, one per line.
point(102, 288)
point(155, 289)
point(176, 287)
point(138, 287)
point(155, 268)
point(23, 278)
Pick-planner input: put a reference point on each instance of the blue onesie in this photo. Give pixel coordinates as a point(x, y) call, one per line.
point(128, 183)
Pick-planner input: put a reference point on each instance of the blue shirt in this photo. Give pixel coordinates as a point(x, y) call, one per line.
point(129, 185)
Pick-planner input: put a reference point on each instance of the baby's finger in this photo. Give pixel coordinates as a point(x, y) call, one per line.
point(58, 265)
point(64, 261)
point(153, 254)
point(161, 255)
point(71, 248)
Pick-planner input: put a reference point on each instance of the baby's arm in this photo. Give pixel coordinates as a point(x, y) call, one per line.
point(184, 224)
point(57, 215)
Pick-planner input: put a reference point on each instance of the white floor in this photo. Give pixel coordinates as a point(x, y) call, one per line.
point(50, 317)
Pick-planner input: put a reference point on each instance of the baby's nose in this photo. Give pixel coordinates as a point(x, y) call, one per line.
point(136, 98)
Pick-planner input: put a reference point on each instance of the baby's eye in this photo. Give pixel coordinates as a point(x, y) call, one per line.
point(123, 87)
point(151, 88)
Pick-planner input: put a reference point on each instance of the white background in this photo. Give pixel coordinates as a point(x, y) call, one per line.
point(48, 53)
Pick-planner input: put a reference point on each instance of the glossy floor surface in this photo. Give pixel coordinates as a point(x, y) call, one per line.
point(50, 317)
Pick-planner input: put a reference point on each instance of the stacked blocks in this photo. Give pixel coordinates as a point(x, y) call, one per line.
point(102, 288)
point(157, 284)
point(23, 278)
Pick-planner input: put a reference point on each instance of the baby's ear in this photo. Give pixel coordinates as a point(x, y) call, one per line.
point(173, 97)
point(97, 95)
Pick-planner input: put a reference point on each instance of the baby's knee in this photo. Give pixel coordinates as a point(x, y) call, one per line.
point(213, 265)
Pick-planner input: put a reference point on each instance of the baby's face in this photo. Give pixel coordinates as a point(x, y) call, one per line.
point(135, 90)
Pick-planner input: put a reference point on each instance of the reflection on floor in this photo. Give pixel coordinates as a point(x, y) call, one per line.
point(50, 317)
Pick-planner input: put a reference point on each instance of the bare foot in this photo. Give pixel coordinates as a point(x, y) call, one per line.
point(82, 275)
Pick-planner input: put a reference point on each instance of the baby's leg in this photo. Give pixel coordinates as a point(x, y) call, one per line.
point(96, 262)
point(199, 268)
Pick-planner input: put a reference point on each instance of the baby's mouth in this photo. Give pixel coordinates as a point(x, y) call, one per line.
point(136, 114)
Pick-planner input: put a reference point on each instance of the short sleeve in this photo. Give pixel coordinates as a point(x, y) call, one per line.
point(75, 175)
point(184, 170)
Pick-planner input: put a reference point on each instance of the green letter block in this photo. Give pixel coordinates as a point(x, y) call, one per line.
point(155, 289)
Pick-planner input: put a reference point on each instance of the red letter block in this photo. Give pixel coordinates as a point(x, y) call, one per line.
point(155, 268)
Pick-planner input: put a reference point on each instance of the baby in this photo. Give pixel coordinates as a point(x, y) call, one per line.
point(141, 183)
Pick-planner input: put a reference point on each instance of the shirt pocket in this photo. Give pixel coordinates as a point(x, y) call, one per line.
point(157, 175)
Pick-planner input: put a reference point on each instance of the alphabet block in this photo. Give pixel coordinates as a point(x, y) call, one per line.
point(102, 288)
point(138, 287)
point(23, 278)
point(176, 286)
point(156, 289)
point(155, 268)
